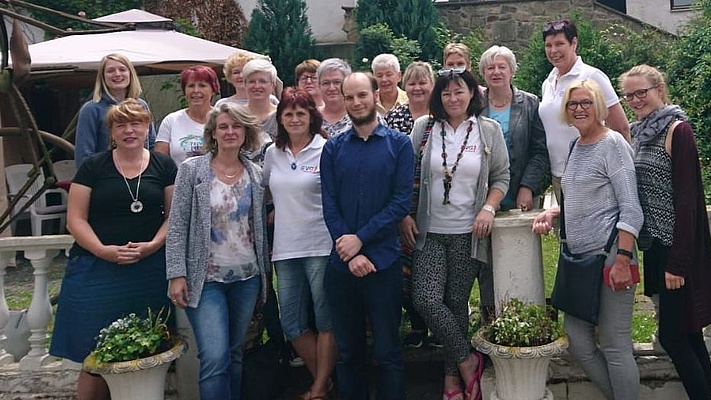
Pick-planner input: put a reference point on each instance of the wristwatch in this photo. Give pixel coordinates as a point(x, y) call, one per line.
point(625, 253)
point(489, 208)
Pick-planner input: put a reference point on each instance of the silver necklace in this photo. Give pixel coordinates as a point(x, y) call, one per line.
point(136, 205)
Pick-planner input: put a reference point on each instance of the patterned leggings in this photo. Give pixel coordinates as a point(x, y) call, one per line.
point(442, 282)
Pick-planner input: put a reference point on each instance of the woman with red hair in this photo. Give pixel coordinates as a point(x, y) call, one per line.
point(181, 133)
point(291, 172)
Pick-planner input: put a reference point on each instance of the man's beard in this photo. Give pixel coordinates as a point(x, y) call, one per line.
point(360, 121)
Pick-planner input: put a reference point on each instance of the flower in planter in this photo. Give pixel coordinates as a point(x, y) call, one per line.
point(132, 337)
point(523, 325)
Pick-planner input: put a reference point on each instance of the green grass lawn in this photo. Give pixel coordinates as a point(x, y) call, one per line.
point(643, 322)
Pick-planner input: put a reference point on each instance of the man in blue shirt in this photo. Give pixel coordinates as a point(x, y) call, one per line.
point(366, 183)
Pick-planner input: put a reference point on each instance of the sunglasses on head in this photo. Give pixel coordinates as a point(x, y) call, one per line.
point(555, 26)
point(451, 72)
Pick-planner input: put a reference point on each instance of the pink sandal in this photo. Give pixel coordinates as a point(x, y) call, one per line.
point(476, 379)
point(452, 393)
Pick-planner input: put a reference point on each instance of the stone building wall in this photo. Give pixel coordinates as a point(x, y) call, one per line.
point(514, 22)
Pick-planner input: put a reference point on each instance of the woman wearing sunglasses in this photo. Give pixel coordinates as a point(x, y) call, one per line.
point(600, 192)
point(561, 44)
point(675, 236)
point(463, 175)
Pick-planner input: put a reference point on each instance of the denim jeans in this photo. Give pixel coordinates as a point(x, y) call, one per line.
point(300, 280)
point(377, 296)
point(220, 322)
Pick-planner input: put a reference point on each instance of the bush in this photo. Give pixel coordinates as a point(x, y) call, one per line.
point(415, 20)
point(378, 39)
point(689, 81)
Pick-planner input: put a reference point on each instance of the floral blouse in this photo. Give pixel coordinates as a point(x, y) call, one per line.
point(232, 256)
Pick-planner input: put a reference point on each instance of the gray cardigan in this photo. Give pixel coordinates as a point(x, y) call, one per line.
point(188, 238)
point(528, 161)
point(494, 175)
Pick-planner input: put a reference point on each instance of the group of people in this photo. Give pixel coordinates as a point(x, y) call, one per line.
point(380, 198)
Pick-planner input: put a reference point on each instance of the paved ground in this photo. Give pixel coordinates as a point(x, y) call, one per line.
point(423, 376)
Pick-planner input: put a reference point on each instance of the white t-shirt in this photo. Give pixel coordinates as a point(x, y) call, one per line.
point(183, 134)
point(457, 216)
point(558, 133)
point(295, 183)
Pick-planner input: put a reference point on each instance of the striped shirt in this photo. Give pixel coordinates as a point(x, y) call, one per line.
point(598, 183)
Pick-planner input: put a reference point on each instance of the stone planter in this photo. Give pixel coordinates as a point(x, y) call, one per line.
point(137, 379)
point(521, 372)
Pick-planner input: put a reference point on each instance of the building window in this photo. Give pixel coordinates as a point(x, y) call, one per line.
point(681, 4)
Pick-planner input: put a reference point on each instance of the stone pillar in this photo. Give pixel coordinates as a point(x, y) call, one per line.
point(39, 313)
point(187, 367)
point(516, 258)
point(5, 357)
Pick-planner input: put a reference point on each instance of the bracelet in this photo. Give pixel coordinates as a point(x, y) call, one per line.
point(489, 208)
point(625, 253)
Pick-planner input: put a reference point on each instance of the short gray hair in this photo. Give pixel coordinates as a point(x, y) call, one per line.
point(487, 58)
point(385, 60)
point(333, 64)
point(260, 65)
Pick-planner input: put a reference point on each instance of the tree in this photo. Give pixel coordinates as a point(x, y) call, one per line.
point(281, 30)
point(409, 19)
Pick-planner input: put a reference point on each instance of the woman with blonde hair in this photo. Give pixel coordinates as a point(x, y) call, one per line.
point(116, 80)
point(600, 171)
point(233, 73)
point(675, 235)
point(216, 252)
point(118, 209)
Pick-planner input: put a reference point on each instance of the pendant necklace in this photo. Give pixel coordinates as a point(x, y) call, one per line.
point(447, 181)
point(136, 205)
point(228, 176)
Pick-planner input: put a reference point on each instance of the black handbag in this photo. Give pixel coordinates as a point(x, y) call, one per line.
point(578, 280)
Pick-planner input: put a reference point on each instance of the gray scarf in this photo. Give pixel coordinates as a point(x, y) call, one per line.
point(655, 123)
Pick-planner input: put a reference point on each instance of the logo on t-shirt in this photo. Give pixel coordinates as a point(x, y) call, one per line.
point(309, 169)
point(470, 148)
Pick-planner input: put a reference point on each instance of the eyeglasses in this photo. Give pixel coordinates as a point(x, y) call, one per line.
point(336, 83)
point(555, 26)
point(451, 72)
point(573, 105)
point(640, 94)
point(306, 78)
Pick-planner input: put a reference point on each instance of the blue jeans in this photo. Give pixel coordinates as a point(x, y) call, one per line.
point(220, 322)
point(298, 281)
point(377, 296)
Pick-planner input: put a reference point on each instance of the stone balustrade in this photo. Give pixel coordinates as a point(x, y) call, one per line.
point(39, 250)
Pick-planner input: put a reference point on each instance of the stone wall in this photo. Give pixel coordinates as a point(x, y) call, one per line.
point(513, 23)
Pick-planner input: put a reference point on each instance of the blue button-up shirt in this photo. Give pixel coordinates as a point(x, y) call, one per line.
point(367, 189)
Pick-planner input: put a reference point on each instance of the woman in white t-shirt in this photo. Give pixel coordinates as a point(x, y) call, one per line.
point(561, 44)
point(302, 243)
point(181, 133)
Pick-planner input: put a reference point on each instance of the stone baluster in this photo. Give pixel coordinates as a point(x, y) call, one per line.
point(40, 311)
point(5, 357)
point(517, 259)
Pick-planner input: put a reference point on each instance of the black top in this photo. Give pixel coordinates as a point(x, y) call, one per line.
point(110, 214)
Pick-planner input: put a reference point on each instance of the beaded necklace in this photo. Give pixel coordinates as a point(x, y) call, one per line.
point(447, 181)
